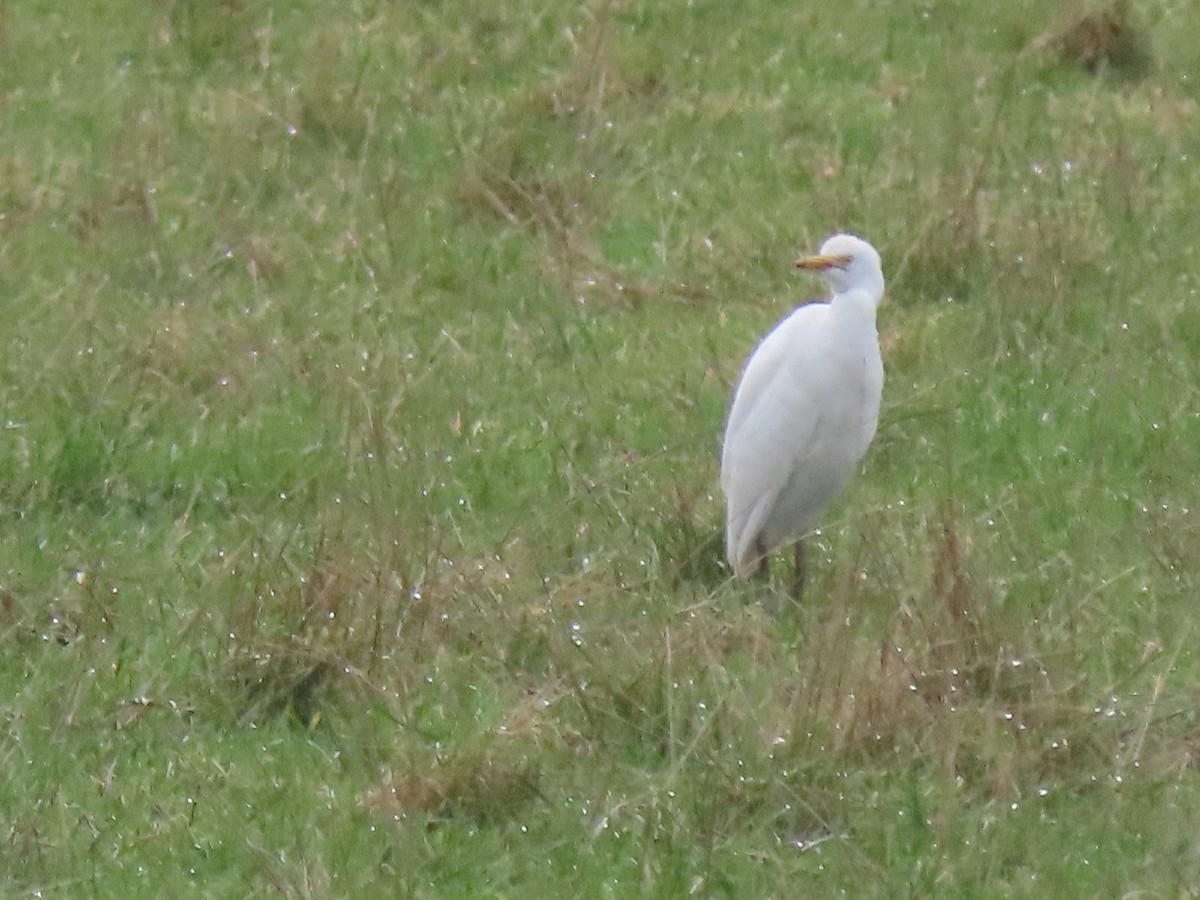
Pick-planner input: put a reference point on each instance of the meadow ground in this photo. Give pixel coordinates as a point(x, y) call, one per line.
point(363, 373)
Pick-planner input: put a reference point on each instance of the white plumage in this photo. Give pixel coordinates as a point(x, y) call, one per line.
point(805, 409)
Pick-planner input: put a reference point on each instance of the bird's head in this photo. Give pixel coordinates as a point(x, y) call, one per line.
point(847, 263)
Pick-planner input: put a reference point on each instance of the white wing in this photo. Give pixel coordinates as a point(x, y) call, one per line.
point(772, 427)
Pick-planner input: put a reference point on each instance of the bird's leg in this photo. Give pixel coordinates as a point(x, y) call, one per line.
point(764, 563)
point(800, 568)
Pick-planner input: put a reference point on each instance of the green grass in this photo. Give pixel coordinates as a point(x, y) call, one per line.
point(362, 382)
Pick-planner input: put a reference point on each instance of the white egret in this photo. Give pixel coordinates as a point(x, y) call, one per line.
point(804, 411)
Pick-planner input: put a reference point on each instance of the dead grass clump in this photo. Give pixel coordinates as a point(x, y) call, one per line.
point(1165, 745)
point(21, 197)
point(187, 355)
point(1104, 39)
point(689, 547)
point(334, 105)
point(547, 176)
point(491, 784)
point(63, 619)
point(799, 814)
point(943, 256)
point(367, 611)
point(279, 876)
point(565, 209)
point(84, 604)
point(8, 614)
point(299, 633)
point(523, 196)
point(937, 264)
point(125, 198)
point(333, 618)
point(561, 210)
point(663, 694)
point(596, 76)
point(952, 685)
point(266, 259)
point(212, 30)
point(124, 203)
point(275, 679)
point(25, 850)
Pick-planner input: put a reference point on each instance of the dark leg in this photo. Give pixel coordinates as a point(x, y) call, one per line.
point(801, 567)
point(764, 564)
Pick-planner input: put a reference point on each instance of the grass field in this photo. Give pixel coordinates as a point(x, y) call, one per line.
point(364, 368)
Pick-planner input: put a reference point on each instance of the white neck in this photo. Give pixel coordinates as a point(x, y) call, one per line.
point(857, 305)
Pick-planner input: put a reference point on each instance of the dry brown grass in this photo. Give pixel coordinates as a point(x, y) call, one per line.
point(1103, 38)
point(490, 785)
point(564, 204)
point(124, 195)
point(995, 717)
point(333, 105)
point(992, 715)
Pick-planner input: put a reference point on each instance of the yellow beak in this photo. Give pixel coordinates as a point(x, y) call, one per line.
point(821, 263)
